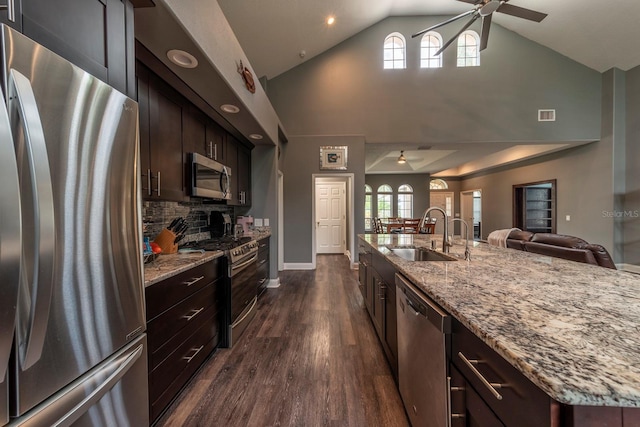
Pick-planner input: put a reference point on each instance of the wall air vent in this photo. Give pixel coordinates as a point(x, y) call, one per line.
point(546, 115)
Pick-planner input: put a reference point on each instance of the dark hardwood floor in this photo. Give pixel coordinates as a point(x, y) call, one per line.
point(309, 358)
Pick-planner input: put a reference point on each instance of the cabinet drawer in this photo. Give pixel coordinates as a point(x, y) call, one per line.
point(522, 403)
point(187, 356)
point(162, 295)
point(186, 315)
point(164, 399)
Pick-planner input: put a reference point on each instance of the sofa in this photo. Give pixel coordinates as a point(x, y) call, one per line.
point(560, 246)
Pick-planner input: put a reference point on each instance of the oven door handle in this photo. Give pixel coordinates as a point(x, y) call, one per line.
point(237, 268)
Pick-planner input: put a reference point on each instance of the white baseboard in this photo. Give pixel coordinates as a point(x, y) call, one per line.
point(631, 268)
point(274, 283)
point(299, 266)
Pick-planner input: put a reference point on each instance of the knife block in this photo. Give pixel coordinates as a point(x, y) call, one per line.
point(165, 240)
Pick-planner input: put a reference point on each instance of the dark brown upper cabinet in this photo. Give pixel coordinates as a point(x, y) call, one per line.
point(96, 35)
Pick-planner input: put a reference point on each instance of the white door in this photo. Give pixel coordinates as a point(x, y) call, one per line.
point(330, 218)
point(466, 212)
point(444, 200)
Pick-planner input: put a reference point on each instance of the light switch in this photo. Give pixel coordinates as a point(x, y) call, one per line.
point(568, 217)
point(257, 222)
point(266, 222)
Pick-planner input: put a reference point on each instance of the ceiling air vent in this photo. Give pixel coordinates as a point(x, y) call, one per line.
point(546, 115)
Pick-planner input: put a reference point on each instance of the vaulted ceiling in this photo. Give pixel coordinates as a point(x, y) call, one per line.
point(598, 34)
point(278, 35)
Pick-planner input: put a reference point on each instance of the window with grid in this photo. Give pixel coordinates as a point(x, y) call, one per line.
point(431, 43)
point(394, 51)
point(469, 49)
point(405, 201)
point(438, 184)
point(368, 213)
point(384, 201)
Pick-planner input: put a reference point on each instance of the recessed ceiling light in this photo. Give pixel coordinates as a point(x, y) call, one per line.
point(229, 108)
point(331, 20)
point(255, 136)
point(182, 59)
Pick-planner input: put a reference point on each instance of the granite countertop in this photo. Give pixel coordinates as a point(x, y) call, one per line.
point(573, 329)
point(169, 265)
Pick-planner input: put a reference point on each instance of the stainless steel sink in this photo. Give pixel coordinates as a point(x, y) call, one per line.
point(421, 254)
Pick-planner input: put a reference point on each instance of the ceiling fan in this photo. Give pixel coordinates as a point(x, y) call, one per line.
point(484, 9)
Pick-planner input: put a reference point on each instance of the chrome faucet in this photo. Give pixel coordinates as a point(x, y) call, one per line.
point(467, 252)
point(445, 238)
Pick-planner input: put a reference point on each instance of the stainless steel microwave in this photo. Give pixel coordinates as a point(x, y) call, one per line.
point(209, 178)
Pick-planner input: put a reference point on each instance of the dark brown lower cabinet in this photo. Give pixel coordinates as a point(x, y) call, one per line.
point(184, 316)
point(467, 407)
point(377, 284)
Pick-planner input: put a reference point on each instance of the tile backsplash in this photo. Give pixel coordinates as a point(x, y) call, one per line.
point(158, 215)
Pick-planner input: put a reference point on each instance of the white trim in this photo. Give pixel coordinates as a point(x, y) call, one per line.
point(299, 265)
point(350, 198)
point(280, 221)
point(631, 268)
point(274, 283)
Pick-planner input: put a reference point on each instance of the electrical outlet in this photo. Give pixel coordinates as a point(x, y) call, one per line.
point(257, 222)
point(568, 217)
point(266, 222)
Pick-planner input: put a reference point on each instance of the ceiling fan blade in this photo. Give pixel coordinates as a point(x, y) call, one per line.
point(455, 18)
point(486, 26)
point(521, 12)
point(471, 1)
point(467, 25)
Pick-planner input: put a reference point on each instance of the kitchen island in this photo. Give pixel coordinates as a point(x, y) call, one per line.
point(572, 329)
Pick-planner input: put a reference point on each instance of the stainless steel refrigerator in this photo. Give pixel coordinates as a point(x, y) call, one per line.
point(72, 331)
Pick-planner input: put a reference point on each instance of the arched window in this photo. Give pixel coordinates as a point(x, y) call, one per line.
point(469, 49)
point(405, 201)
point(431, 42)
point(368, 212)
point(394, 51)
point(438, 184)
point(384, 201)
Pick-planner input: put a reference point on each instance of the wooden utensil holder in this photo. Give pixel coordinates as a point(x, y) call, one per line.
point(165, 240)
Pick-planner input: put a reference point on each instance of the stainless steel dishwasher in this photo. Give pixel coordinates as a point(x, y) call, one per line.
point(423, 335)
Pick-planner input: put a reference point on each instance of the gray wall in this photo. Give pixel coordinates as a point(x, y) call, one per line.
point(419, 182)
point(632, 196)
point(584, 183)
point(346, 91)
point(301, 159)
point(264, 196)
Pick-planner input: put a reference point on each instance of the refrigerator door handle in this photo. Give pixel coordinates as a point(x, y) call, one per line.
point(69, 404)
point(36, 267)
point(10, 237)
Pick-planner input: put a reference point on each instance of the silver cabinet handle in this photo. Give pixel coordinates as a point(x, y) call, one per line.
point(210, 150)
point(215, 151)
point(193, 314)
point(192, 281)
point(262, 262)
point(148, 176)
point(11, 10)
point(197, 350)
point(11, 236)
point(38, 281)
point(491, 386)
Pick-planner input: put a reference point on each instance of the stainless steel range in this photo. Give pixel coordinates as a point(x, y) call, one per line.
point(242, 287)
